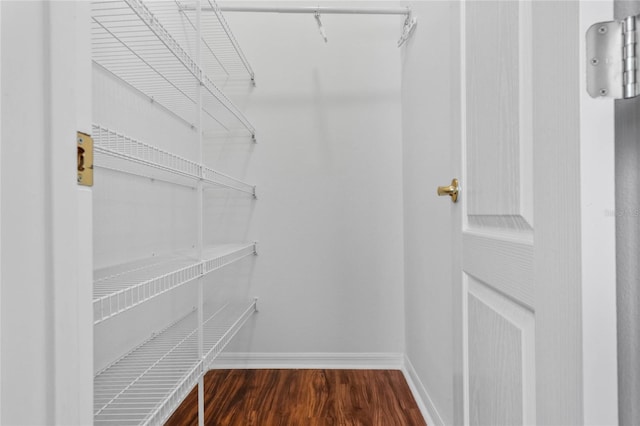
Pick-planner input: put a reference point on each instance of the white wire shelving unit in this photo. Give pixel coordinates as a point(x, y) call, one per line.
point(146, 385)
point(131, 43)
point(119, 288)
point(116, 151)
point(177, 57)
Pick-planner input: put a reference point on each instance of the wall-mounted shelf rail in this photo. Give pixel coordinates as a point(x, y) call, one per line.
point(129, 42)
point(122, 287)
point(135, 157)
point(146, 385)
point(222, 57)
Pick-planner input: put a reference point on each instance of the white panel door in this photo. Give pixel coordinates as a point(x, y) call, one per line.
point(536, 275)
point(497, 239)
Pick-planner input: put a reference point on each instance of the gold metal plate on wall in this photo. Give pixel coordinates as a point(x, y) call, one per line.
point(85, 159)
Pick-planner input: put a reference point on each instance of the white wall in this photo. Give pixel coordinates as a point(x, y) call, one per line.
point(430, 126)
point(328, 168)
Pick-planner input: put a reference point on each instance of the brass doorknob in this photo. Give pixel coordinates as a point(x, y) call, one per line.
point(451, 190)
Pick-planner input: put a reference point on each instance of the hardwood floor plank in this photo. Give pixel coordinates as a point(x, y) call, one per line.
point(302, 398)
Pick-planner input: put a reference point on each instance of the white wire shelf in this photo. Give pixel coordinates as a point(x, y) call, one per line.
point(119, 152)
point(145, 386)
point(216, 257)
point(122, 287)
point(225, 181)
point(130, 42)
point(218, 334)
point(222, 57)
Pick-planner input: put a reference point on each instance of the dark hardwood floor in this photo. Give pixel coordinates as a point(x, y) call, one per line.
point(302, 398)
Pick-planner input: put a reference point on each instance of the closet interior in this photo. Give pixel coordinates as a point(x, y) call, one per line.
point(267, 198)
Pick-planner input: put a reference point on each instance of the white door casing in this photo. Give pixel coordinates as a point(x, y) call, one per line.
point(598, 243)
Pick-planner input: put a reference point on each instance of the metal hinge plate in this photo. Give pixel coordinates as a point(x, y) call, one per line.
point(604, 60)
point(85, 159)
point(611, 59)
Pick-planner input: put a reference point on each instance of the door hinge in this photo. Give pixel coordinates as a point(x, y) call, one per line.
point(612, 63)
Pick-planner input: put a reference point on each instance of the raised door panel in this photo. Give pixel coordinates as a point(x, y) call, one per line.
point(498, 181)
point(500, 381)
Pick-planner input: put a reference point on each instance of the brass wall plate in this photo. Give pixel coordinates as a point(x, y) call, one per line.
point(85, 159)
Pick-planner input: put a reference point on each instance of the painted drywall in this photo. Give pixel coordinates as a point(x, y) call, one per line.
point(327, 164)
point(430, 116)
point(627, 247)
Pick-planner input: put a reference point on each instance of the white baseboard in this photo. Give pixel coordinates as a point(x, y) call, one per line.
point(360, 361)
point(425, 403)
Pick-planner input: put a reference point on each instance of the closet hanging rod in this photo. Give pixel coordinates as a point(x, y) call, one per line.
point(410, 21)
point(312, 9)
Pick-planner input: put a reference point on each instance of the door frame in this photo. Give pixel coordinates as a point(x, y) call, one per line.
point(597, 194)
